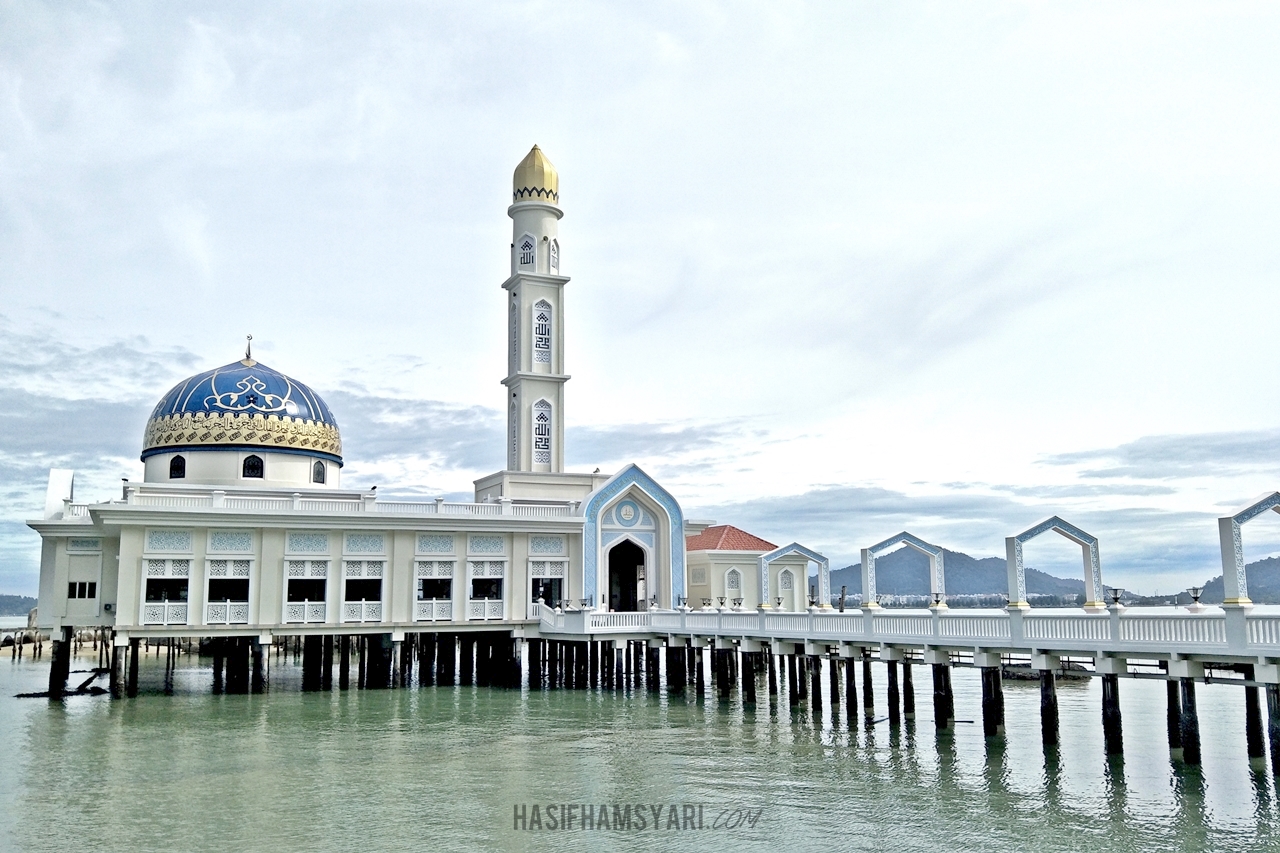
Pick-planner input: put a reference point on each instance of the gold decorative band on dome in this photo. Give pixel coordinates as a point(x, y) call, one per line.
point(223, 428)
point(536, 194)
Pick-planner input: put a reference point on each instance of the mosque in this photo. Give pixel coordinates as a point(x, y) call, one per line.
point(241, 528)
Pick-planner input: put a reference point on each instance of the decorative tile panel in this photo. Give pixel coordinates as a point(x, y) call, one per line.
point(698, 575)
point(435, 568)
point(365, 543)
point(169, 540)
point(435, 543)
point(548, 568)
point(231, 541)
point(546, 544)
point(84, 544)
point(485, 545)
point(308, 543)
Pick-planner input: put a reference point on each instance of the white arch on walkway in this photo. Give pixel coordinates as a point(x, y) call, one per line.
point(1235, 585)
point(1088, 547)
point(824, 572)
point(937, 579)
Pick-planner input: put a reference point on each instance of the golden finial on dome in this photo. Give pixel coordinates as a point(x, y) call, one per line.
point(536, 179)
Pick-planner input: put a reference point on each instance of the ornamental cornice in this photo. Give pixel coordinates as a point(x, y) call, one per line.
point(231, 428)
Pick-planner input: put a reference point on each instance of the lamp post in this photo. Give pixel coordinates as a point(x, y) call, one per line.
point(1195, 592)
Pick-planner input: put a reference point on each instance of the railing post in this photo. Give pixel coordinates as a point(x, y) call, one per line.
point(296, 497)
point(218, 498)
point(367, 501)
point(439, 506)
point(506, 505)
point(1017, 635)
point(1237, 628)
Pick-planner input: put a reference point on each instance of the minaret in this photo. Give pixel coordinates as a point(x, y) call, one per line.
point(535, 353)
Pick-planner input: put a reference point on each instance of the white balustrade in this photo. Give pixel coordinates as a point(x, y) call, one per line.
point(433, 610)
point(485, 608)
point(1264, 630)
point(164, 613)
point(226, 613)
point(305, 612)
point(614, 621)
point(1172, 629)
point(1075, 627)
point(974, 627)
point(362, 611)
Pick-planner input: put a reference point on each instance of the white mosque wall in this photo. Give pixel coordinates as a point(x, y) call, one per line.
point(209, 467)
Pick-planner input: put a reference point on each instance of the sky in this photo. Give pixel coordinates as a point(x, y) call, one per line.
point(838, 269)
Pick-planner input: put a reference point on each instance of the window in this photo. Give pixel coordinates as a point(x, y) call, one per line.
point(486, 588)
point(542, 432)
point(82, 589)
point(542, 332)
point(555, 257)
point(166, 589)
point(317, 472)
point(733, 580)
point(306, 589)
point(177, 468)
point(252, 468)
point(228, 589)
point(786, 581)
point(364, 589)
point(527, 249)
point(429, 588)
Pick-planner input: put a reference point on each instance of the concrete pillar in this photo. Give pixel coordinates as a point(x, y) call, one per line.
point(868, 688)
point(60, 665)
point(908, 692)
point(793, 689)
point(117, 676)
point(1112, 733)
point(992, 702)
point(833, 685)
point(1190, 722)
point(1048, 708)
point(1254, 741)
point(675, 670)
point(893, 693)
point(850, 692)
point(427, 660)
point(219, 663)
point(467, 663)
point(312, 658)
point(326, 664)
point(749, 679)
point(773, 672)
point(593, 664)
point(396, 672)
point(131, 689)
point(258, 675)
point(1273, 725)
point(344, 662)
point(814, 664)
point(1173, 717)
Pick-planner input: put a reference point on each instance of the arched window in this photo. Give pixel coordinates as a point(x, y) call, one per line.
point(317, 472)
point(177, 468)
point(555, 257)
point(542, 332)
point(527, 251)
point(252, 468)
point(733, 581)
point(786, 581)
point(542, 432)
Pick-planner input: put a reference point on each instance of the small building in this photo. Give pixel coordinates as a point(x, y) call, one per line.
point(724, 571)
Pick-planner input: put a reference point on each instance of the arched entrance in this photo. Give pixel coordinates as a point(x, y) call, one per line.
point(626, 577)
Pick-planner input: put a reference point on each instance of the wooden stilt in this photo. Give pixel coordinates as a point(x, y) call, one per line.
point(940, 721)
point(60, 665)
point(219, 661)
point(344, 662)
point(131, 689)
point(258, 675)
point(312, 658)
point(793, 686)
point(700, 680)
point(908, 692)
point(992, 702)
point(117, 680)
point(814, 663)
point(773, 672)
point(467, 662)
point(1112, 733)
point(850, 692)
point(1273, 725)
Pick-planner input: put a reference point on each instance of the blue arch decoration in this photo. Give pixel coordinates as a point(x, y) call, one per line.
point(824, 572)
point(630, 477)
point(1235, 583)
point(1089, 550)
point(937, 570)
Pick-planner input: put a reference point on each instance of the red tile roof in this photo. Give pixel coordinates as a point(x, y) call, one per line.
point(726, 537)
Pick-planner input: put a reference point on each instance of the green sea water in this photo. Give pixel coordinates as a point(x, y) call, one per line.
point(448, 768)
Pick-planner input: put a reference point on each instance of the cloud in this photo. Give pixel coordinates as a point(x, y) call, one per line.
point(1168, 457)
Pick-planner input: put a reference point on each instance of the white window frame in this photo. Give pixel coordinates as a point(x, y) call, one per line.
point(227, 612)
point(306, 612)
point(164, 612)
point(364, 569)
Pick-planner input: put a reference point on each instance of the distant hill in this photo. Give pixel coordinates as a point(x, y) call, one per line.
point(16, 605)
point(906, 572)
point(1264, 583)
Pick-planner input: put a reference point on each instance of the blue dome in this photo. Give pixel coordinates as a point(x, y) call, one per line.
point(243, 404)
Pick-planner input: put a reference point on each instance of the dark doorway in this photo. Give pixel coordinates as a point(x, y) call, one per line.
point(626, 571)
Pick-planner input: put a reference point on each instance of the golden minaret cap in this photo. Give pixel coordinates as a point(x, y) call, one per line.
point(536, 179)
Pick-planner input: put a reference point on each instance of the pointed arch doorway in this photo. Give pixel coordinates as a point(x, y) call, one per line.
point(627, 577)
